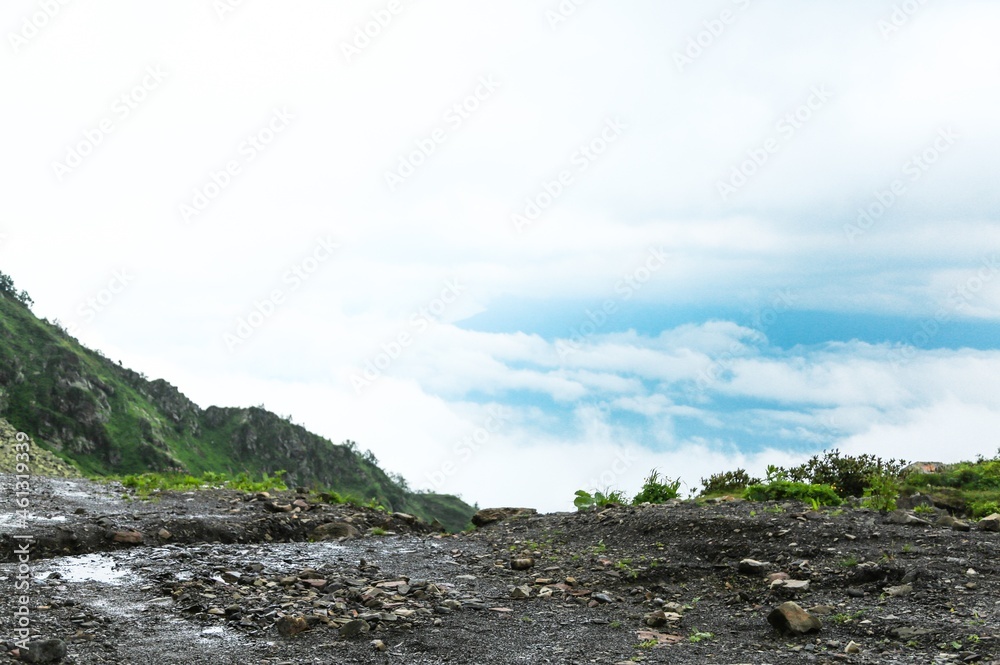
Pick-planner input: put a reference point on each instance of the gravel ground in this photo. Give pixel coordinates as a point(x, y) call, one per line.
point(224, 577)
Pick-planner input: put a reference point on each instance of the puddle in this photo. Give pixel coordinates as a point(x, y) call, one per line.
point(13, 521)
point(90, 568)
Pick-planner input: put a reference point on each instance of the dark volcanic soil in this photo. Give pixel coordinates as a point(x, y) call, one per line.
point(236, 581)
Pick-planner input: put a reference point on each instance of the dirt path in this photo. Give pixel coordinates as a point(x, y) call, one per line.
point(590, 584)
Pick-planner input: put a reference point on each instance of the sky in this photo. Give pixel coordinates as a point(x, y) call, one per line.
point(523, 248)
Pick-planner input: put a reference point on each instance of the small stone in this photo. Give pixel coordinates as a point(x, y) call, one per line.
point(354, 628)
point(127, 537)
point(291, 625)
point(379, 645)
point(791, 585)
point(773, 577)
point(790, 619)
point(950, 522)
point(822, 610)
point(910, 633)
point(163, 534)
point(903, 517)
point(855, 593)
point(655, 619)
point(990, 522)
point(752, 567)
point(522, 563)
point(897, 591)
point(333, 531)
point(852, 647)
point(521, 592)
point(603, 598)
point(490, 515)
point(44, 651)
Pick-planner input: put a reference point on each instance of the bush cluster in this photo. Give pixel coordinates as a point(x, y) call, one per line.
point(782, 490)
point(728, 482)
point(848, 475)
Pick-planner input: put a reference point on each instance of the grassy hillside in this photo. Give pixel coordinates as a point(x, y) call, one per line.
point(105, 419)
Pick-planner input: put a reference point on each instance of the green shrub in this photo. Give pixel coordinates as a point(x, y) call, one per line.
point(848, 475)
point(984, 508)
point(655, 490)
point(727, 483)
point(608, 497)
point(780, 490)
point(882, 491)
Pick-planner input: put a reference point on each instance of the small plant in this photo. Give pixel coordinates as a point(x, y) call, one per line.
point(780, 490)
point(616, 625)
point(600, 547)
point(882, 491)
point(850, 561)
point(814, 503)
point(698, 636)
point(657, 490)
point(924, 509)
point(907, 548)
point(378, 531)
point(585, 500)
point(647, 644)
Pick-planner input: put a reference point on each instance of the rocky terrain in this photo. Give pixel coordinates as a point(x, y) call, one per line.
point(226, 577)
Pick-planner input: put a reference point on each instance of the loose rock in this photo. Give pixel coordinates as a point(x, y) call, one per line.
point(790, 619)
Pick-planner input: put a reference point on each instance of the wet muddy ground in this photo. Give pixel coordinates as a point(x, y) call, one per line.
point(222, 577)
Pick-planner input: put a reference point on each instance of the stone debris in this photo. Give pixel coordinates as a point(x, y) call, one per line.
point(990, 522)
point(753, 567)
point(790, 619)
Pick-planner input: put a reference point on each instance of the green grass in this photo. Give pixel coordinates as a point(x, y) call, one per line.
point(971, 487)
point(146, 484)
point(781, 490)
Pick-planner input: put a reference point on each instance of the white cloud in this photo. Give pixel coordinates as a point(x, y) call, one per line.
point(654, 188)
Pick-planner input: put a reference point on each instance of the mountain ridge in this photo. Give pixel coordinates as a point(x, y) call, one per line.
point(105, 419)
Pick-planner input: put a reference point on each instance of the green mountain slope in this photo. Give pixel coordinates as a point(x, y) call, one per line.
point(107, 419)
